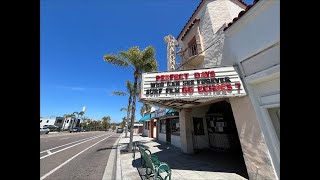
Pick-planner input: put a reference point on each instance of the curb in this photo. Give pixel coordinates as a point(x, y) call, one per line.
point(111, 165)
point(118, 165)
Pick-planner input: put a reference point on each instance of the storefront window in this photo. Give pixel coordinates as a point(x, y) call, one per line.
point(175, 127)
point(162, 126)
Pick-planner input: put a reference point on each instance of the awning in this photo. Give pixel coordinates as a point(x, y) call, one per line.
point(190, 88)
point(146, 117)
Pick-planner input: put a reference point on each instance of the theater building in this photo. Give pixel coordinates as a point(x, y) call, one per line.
point(226, 87)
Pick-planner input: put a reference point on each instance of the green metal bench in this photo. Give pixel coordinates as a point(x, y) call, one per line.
point(153, 165)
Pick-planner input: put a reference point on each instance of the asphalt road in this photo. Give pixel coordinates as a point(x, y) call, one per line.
point(81, 156)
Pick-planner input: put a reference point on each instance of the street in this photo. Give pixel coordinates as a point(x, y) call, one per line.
point(82, 155)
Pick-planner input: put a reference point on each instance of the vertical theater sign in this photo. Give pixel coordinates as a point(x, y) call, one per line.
point(171, 52)
point(193, 85)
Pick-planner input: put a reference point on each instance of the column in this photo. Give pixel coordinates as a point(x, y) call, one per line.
point(151, 129)
point(185, 118)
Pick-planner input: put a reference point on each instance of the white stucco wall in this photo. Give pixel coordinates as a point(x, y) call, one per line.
point(266, 95)
point(44, 121)
point(234, 8)
point(213, 16)
point(155, 132)
point(213, 55)
point(162, 137)
point(218, 13)
point(253, 144)
point(221, 12)
point(259, 62)
point(176, 141)
point(146, 132)
point(256, 30)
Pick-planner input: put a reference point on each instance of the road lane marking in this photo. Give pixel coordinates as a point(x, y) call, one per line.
point(70, 143)
point(65, 138)
point(45, 136)
point(58, 167)
point(49, 152)
point(68, 147)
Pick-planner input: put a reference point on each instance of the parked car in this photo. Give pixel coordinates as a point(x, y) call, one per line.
point(44, 130)
point(75, 129)
point(119, 130)
point(52, 127)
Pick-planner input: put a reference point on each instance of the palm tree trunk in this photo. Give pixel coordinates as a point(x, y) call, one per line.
point(128, 115)
point(133, 109)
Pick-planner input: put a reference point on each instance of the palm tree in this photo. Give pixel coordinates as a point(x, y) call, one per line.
point(85, 123)
point(145, 108)
point(123, 123)
point(81, 113)
point(106, 121)
point(130, 93)
point(125, 120)
point(139, 61)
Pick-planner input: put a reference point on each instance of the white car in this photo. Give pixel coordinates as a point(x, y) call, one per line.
point(44, 130)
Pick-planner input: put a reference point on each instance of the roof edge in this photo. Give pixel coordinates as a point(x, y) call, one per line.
point(241, 13)
point(196, 10)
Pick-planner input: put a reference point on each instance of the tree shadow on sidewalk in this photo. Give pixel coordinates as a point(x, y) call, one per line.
point(204, 160)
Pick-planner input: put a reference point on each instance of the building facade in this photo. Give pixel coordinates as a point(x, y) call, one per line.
point(226, 46)
point(168, 126)
point(70, 122)
point(149, 125)
point(57, 121)
point(47, 121)
point(259, 62)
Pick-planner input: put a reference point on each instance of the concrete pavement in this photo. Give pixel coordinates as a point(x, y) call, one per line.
point(205, 165)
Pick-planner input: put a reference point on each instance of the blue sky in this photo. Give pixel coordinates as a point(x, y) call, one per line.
point(74, 36)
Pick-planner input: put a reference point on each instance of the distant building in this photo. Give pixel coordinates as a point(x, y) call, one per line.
point(47, 121)
point(70, 122)
point(57, 121)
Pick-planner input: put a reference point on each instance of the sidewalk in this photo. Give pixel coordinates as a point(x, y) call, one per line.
point(203, 165)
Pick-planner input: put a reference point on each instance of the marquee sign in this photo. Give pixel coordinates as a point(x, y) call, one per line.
point(200, 83)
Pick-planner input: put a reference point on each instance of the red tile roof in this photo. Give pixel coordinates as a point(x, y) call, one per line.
point(190, 26)
point(202, 1)
point(241, 14)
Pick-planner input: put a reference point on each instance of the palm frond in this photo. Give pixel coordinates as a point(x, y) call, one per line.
point(145, 109)
point(123, 109)
point(115, 60)
point(134, 56)
point(129, 87)
point(119, 93)
point(148, 53)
